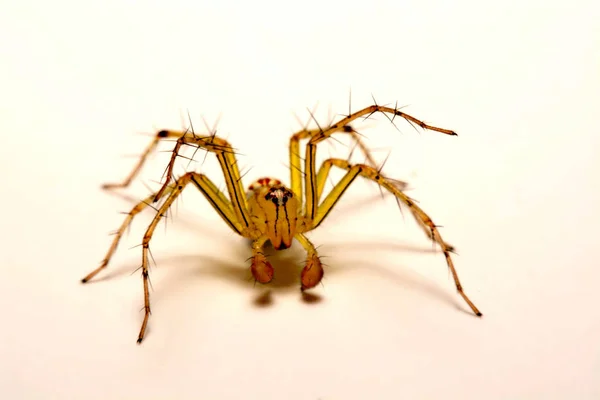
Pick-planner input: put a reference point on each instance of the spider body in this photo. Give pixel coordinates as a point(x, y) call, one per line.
point(269, 211)
point(274, 211)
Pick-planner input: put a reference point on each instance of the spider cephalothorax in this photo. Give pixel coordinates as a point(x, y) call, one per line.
point(270, 211)
point(274, 211)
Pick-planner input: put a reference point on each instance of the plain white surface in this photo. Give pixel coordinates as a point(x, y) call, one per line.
point(517, 192)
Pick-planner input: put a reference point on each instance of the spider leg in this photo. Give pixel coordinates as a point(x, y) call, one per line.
point(136, 169)
point(371, 173)
point(400, 185)
point(217, 199)
point(180, 184)
point(296, 160)
point(324, 173)
point(310, 173)
point(226, 157)
point(201, 181)
point(312, 273)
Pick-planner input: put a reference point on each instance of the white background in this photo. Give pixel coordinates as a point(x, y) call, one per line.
point(517, 193)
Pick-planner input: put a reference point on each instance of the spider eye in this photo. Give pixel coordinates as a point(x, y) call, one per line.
point(278, 196)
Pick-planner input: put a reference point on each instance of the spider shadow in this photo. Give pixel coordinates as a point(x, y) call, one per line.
point(288, 264)
point(404, 278)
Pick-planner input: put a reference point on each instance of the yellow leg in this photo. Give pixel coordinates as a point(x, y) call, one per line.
point(226, 157)
point(225, 154)
point(324, 173)
point(215, 197)
point(180, 184)
point(161, 135)
point(296, 160)
point(219, 201)
point(176, 190)
point(371, 173)
point(119, 233)
point(310, 173)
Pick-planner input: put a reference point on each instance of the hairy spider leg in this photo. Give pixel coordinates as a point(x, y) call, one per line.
point(400, 185)
point(200, 181)
point(215, 197)
point(374, 175)
point(139, 207)
point(226, 157)
point(180, 184)
point(310, 181)
point(160, 135)
point(323, 173)
point(296, 160)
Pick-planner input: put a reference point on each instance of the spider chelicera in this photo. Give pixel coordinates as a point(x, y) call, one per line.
point(272, 212)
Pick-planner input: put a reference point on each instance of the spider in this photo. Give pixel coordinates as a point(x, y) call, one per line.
point(272, 212)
